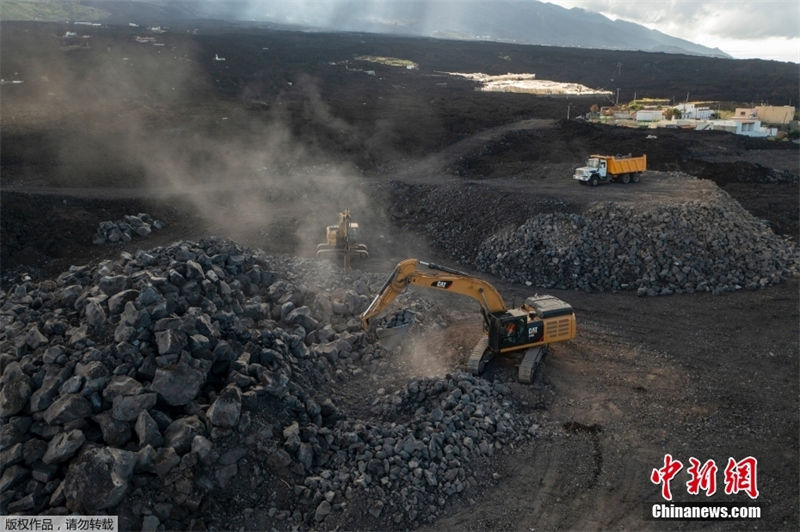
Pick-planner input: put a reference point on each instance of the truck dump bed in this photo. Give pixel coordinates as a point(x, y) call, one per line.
point(624, 165)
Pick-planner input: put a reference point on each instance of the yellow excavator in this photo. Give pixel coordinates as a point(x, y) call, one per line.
point(342, 240)
point(539, 322)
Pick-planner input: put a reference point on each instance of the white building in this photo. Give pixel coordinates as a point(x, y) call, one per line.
point(694, 111)
point(649, 115)
point(746, 127)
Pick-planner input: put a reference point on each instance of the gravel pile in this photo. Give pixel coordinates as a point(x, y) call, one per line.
point(420, 454)
point(125, 230)
point(447, 216)
point(206, 385)
point(714, 246)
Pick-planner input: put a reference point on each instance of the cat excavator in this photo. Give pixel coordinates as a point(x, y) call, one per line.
point(342, 240)
point(539, 322)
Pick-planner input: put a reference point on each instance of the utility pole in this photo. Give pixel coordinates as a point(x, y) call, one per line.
point(568, 106)
point(617, 96)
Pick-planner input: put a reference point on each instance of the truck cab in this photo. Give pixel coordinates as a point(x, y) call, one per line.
point(596, 170)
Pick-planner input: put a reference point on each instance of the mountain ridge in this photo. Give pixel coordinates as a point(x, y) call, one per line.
point(510, 21)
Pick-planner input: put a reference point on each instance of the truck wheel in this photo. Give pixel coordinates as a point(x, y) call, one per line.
point(593, 181)
point(625, 178)
point(635, 178)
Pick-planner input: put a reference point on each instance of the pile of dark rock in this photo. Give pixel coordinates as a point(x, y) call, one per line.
point(421, 452)
point(404, 318)
point(446, 214)
point(129, 227)
point(206, 385)
point(714, 246)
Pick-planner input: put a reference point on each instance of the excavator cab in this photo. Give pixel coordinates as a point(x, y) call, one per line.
point(518, 327)
point(508, 329)
point(337, 237)
point(342, 240)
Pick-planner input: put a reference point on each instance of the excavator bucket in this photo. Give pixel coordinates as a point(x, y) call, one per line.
point(392, 334)
point(394, 337)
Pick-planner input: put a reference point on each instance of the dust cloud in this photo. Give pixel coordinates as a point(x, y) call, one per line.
point(424, 355)
point(446, 329)
point(169, 123)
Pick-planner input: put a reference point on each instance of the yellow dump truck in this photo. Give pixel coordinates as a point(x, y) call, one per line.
point(607, 168)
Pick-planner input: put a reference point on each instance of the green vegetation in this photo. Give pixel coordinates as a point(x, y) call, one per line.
point(49, 11)
point(653, 101)
point(388, 61)
point(641, 103)
point(650, 101)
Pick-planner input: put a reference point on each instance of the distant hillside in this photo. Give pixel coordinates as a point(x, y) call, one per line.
point(514, 21)
point(49, 11)
point(518, 21)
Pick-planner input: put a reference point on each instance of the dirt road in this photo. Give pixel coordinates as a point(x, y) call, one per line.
point(689, 376)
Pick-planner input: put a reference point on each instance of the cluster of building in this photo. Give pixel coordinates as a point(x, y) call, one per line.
point(758, 121)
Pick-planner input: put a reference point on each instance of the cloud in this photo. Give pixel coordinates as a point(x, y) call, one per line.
point(765, 28)
point(721, 18)
point(775, 48)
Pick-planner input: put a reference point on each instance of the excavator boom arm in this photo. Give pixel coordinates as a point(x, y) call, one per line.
point(437, 277)
point(343, 232)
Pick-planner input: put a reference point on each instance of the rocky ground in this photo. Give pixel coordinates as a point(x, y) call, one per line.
point(168, 378)
point(173, 353)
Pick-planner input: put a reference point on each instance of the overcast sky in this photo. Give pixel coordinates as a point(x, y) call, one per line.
point(764, 29)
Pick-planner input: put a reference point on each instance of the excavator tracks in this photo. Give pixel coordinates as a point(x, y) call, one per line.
point(479, 357)
point(530, 363)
